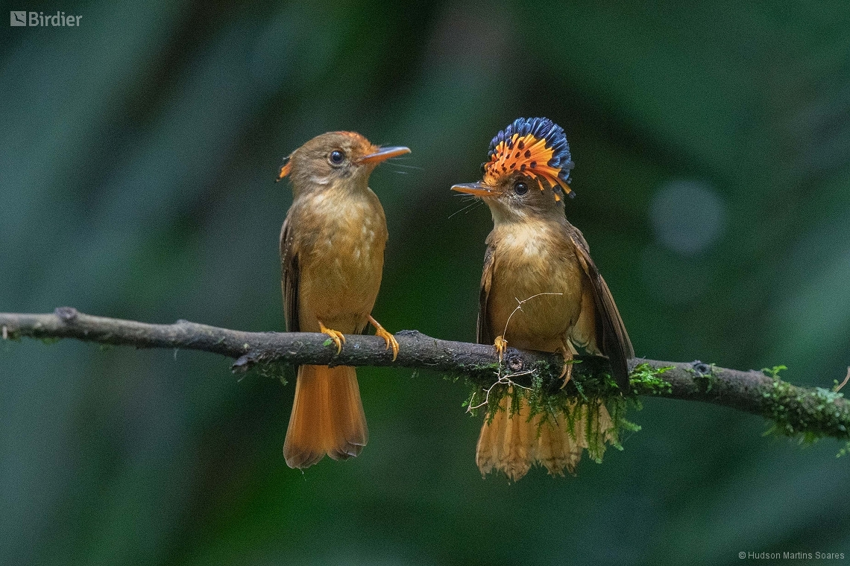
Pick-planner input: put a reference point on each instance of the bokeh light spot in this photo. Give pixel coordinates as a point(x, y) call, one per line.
point(687, 216)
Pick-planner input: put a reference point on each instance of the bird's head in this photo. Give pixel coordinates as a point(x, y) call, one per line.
point(335, 159)
point(527, 171)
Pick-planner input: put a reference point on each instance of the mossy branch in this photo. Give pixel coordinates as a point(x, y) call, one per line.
point(812, 412)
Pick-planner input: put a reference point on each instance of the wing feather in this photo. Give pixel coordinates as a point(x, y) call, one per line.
point(612, 338)
point(289, 275)
point(484, 334)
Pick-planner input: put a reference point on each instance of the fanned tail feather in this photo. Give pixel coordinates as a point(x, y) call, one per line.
point(557, 450)
point(511, 442)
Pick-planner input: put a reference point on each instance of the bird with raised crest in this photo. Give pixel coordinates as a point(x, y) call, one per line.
point(540, 290)
point(332, 258)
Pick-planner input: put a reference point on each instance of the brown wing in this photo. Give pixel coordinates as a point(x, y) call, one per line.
point(289, 275)
point(484, 334)
point(612, 338)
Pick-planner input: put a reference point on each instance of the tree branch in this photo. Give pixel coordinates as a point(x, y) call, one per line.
point(813, 412)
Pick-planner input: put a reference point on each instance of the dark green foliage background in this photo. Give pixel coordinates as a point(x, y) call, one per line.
point(138, 154)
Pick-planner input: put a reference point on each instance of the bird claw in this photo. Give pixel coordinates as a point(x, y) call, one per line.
point(389, 338)
point(391, 341)
point(337, 337)
point(501, 346)
point(567, 370)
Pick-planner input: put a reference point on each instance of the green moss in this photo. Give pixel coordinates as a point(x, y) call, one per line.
point(774, 371)
point(646, 380)
point(274, 370)
point(805, 414)
point(581, 405)
point(704, 377)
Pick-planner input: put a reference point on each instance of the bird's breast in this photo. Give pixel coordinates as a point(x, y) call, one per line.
point(342, 258)
point(536, 290)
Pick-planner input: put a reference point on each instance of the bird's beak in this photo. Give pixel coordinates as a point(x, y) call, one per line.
point(285, 169)
point(383, 154)
point(476, 189)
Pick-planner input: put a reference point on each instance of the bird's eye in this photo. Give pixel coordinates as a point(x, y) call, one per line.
point(520, 188)
point(336, 157)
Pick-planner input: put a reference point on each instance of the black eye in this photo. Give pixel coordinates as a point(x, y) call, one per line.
point(520, 188)
point(336, 157)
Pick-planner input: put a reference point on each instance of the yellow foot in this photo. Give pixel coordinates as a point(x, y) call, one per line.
point(501, 345)
point(391, 341)
point(336, 336)
point(567, 371)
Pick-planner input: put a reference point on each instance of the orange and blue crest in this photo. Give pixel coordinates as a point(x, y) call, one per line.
point(536, 147)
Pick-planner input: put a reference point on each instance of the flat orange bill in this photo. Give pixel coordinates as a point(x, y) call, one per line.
point(284, 169)
point(383, 154)
point(476, 189)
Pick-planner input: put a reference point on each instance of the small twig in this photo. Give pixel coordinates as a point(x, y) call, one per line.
point(843, 383)
point(500, 381)
point(500, 378)
point(519, 308)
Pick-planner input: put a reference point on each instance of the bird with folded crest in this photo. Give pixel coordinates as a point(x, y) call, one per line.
point(332, 258)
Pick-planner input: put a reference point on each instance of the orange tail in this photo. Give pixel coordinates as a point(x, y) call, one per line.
point(513, 442)
point(327, 417)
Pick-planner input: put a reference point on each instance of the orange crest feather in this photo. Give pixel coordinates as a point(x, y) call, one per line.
point(536, 147)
